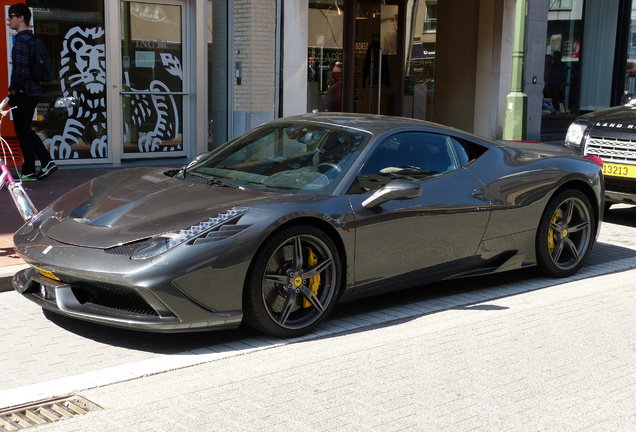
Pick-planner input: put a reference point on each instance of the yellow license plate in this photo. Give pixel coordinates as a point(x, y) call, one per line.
point(616, 170)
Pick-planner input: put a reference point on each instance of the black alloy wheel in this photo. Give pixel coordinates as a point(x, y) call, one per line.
point(293, 282)
point(566, 234)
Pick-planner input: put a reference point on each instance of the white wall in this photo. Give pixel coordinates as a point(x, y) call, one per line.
point(294, 57)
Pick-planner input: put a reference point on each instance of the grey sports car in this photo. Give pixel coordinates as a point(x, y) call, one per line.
point(275, 227)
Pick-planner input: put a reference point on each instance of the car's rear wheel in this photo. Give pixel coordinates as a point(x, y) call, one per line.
point(566, 234)
point(293, 282)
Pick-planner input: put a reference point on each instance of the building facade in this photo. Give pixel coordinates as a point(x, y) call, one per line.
point(152, 79)
point(168, 79)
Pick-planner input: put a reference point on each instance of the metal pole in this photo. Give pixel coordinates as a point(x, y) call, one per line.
point(379, 79)
point(515, 122)
point(371, 76)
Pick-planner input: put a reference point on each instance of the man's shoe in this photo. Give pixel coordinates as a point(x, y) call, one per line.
point(47, 170)
point(27, 177)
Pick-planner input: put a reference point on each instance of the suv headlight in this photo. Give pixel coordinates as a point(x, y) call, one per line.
point(574, 137)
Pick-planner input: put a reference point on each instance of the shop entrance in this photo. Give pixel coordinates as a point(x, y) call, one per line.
point(154, 64)
point(356, 56)
point(375, 82)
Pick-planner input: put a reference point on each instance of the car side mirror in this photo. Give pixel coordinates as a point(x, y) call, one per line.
point(394, 190)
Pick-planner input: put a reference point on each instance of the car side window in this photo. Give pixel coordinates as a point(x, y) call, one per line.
point(412, 156)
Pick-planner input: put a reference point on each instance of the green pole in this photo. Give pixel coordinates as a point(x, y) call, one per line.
point(516, 101)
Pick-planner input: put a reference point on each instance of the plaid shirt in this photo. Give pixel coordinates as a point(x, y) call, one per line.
point(22, 56)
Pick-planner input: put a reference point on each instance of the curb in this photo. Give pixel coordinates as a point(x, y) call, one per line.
point(6, 275)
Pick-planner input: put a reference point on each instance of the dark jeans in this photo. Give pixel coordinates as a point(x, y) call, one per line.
point(30, 143)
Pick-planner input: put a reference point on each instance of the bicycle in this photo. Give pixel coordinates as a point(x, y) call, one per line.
point(21, 199)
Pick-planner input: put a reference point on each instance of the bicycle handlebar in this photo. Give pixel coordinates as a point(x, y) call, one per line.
point(3, 107)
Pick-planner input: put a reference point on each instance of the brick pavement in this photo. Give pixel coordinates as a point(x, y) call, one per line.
point(557, 361)
point(510, 352)
point(559, 358)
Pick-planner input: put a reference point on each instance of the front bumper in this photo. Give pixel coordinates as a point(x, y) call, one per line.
point(117, 306)
point(620, 190)
point(184, 289)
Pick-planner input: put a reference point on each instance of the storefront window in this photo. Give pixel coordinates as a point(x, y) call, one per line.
point(430, 22)
point(71, 116)
point(419, 82)
point(153, 71)
point(563, 50)
point(324, 55)
point(378, 57)
point(630, 73)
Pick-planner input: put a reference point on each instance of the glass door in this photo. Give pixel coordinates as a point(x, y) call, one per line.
point(153, 96)
point(379, 55)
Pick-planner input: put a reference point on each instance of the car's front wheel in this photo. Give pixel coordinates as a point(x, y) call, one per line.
point(293, 282)
point(566, 234)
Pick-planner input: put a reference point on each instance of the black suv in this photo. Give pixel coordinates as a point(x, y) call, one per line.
point(610, 134)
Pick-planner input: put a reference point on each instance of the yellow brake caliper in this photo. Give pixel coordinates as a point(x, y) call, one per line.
point(314, 282)
point(551, 245)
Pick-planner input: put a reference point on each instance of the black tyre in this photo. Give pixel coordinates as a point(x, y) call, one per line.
point(566, 234)
point(293, 282)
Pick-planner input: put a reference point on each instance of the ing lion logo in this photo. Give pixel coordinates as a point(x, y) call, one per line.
point(83, 85)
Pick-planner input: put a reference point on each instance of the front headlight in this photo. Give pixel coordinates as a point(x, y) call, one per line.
point(166, 241)
point(574, 137)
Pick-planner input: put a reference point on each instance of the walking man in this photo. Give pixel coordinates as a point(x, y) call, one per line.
point(24, 95)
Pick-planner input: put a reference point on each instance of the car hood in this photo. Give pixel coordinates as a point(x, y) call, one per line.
point(621, 116)
point(134, 204)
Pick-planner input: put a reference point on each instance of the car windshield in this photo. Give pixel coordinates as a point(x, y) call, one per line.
point(304, 158)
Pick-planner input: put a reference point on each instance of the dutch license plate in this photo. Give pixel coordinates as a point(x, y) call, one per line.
point(617, 170)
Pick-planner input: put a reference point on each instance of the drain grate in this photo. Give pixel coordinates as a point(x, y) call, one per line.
point(47, 411)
